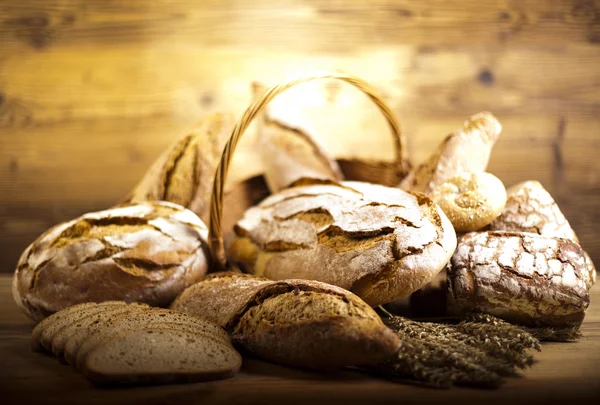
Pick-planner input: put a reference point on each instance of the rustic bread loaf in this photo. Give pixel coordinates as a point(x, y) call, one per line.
point(288, 149)
point(471, 200)
point(184, 173)
point(465, 150)
point(160, 356)
point(147, 253)
point(531, 208)
point(296, 322)
point(521, 277)
point(379, 242)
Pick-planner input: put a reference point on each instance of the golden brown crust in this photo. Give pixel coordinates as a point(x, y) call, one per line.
point(297, 322)
point(465, 150)
point(379, 242)
point(471, 200)
point(148, 252)
point(184, 173)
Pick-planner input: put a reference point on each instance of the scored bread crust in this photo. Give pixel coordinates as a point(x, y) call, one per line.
point(522, 277)
point(147, 252)
point(301, 327)
point(184, 173)
point(379, 242)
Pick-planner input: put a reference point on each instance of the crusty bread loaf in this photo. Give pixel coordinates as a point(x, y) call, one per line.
point(288, 149)
point(465, 150)
point(379, 242)
point(296, 322)
point(184, 173)
point(147, 253)
point(159, 356)
point(531, 208)
point(522, 277)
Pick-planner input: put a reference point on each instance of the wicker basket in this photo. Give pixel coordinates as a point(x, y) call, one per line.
point(249, 192)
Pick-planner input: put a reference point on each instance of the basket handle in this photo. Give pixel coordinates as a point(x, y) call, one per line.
point(215, 235)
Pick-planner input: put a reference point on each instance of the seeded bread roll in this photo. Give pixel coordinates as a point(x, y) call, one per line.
point(296, 322)
point(184, 173)
point(379, 242)
point(465, 150)
point(521, 277)
point(147, 253)
point(530, 208)
point(471, 200)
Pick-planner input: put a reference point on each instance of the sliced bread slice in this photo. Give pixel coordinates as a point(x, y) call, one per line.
point(159, 356)
point(84, 325)
point(36, 334)
point(78, 348)
point(52, 329)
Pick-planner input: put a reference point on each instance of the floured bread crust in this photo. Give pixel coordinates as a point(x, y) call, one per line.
point(521, 277)
point(379, 242)
point(148, 252)
point(530, 208)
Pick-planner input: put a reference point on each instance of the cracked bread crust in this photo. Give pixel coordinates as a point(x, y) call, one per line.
point(530, 208)
point(521, 277)
point(379, 242)
point(297, 322)
point(184, 173)
point(148, 252)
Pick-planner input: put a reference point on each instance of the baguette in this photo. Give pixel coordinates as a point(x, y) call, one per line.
point(295, 322)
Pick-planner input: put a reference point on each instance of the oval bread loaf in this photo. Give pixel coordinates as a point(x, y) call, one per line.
point(521, 277)
point(147, 252)
point(531, 208)
point(295, 322)
point(184, 173)
point(379, 242)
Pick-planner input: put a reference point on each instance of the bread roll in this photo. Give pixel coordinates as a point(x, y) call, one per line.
point(148, 253)
point(521, 277)
point(296, 322)
point(379, 242)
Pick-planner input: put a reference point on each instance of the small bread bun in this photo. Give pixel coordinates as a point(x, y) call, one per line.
point(471, 200)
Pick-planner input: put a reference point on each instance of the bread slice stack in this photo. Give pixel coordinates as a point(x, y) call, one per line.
point(118, 343)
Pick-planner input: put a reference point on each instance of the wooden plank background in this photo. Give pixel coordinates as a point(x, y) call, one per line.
point(91, 91)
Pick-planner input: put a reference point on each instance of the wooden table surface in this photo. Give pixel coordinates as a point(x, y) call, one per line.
point(564, 373)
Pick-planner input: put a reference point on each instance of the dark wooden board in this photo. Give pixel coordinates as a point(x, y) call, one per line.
point(564, 373)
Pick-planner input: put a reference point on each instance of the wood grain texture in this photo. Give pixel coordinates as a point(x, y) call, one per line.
point(92, 91)
point(564, 373)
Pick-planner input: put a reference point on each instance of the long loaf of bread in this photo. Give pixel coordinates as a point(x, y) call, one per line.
point(296, 322)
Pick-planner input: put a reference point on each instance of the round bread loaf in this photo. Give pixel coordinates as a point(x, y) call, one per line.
point(379, 242)
point(148, 252)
